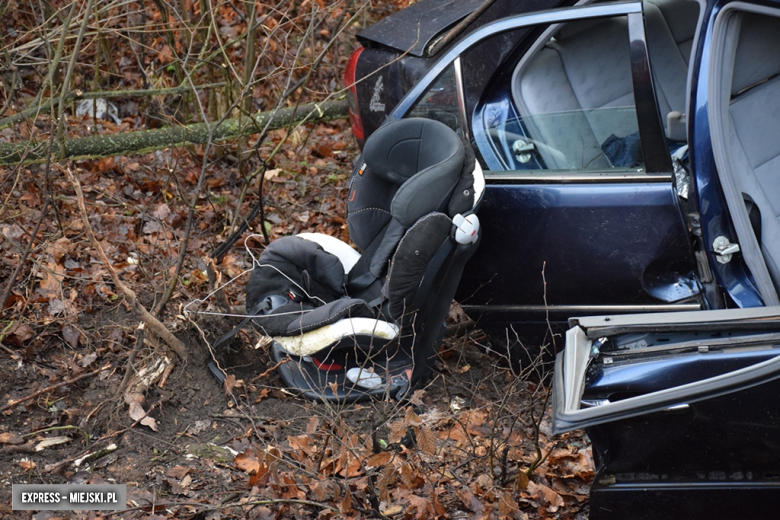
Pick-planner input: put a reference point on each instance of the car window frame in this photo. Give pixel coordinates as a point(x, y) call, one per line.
point(659, 169)
point(571, 365)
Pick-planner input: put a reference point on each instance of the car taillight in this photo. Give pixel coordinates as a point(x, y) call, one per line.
point(349, 82)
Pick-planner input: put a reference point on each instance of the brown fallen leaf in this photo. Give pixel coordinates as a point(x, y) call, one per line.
point(230, 382)
point(11, 438)
point(177, 472)
point(426, 440)
point(411, 418)
point(313, 425)
point(27, 465)
point(247, 461)
point(71, 335)
point(18, 334)
point(521, 481)
point(379, 459)
point(548, 496)
point(137, 412)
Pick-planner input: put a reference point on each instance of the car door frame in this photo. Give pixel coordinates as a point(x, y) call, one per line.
point(569, 379)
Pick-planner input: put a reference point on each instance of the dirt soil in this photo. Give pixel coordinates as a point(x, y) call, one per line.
point(204, 458)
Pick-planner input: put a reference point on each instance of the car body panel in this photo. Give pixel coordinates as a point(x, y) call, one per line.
point(628, 237)
point(411, 30)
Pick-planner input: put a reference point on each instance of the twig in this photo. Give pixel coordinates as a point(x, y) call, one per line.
point(21, 448)
point(139, 342)
point(153, 323)
point(225, 506)
point(69, 75)
point(50, 388)
point(280, 363)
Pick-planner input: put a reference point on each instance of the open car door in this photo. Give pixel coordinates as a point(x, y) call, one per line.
point(617, 367)
point(683, 411)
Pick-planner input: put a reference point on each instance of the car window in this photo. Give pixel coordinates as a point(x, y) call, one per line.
point(575, 103)
point(440, 101)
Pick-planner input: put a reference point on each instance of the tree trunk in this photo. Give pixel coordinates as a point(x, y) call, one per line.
point(150, 140)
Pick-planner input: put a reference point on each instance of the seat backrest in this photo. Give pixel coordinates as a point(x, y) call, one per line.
point(754, 127)
point(586, 68)
point(409, 168)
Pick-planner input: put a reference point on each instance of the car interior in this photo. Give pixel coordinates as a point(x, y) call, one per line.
point(562, 91)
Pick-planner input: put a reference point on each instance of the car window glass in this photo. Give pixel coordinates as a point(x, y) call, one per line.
point(440, 101)
point(670, 27)
point(575, 103)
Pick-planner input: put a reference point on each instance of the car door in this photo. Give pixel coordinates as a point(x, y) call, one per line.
point(741, 90)
point(685, 404)
point(594, 234)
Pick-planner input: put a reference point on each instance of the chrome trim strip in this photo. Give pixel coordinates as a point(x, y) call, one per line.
point(728, 341)
point(464, 125)
point(585, 308)
point(542, 177)
point(508, 24)
point(710, 316)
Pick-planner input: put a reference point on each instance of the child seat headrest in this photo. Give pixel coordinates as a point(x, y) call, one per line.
point(421, 159)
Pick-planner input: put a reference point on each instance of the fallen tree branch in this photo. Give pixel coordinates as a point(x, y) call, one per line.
point(49, 389)
point(154, 325)
point(145, 141)
point(78, 95)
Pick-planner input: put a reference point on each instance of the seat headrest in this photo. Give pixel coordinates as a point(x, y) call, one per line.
point(758, 51)
point(395, 152)
point(422, 155)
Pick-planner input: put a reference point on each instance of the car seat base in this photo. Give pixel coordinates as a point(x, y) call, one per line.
point(327, 380)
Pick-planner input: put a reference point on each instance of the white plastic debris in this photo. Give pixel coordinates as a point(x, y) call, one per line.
point(99, 108)
point(363, 377)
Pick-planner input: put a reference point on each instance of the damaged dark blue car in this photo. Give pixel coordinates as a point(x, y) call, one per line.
point(630, 152)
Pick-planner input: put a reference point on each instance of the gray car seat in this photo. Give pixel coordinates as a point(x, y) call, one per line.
point(586, 68)
point(360, 325)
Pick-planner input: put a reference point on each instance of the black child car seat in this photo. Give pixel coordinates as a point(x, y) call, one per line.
point(361, 325)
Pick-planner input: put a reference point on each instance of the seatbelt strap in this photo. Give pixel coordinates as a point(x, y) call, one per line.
point(360, 276)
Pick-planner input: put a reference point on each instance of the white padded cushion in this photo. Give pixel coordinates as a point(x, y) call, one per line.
point(346, 255)
point(311, 342)
point(479, 182)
